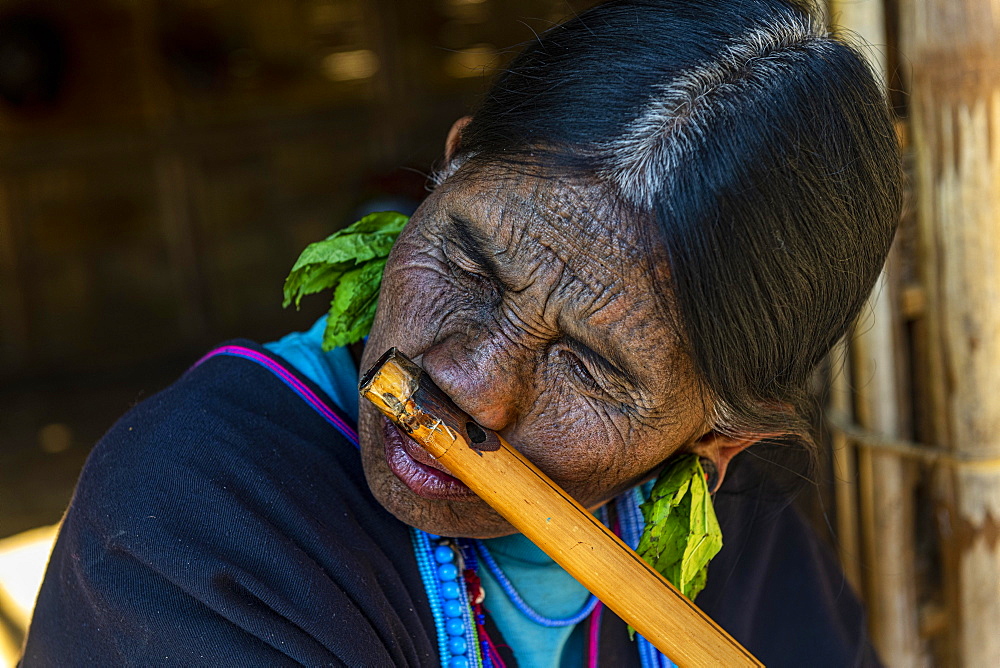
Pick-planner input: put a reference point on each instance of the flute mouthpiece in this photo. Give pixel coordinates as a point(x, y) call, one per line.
point(405, 394)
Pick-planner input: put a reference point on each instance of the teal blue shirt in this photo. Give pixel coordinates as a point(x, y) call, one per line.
point(541, 582)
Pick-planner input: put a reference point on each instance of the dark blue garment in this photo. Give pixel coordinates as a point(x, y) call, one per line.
point(775, 587)
point(224, 522)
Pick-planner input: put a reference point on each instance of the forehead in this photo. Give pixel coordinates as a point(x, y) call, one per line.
point(573, 221)
point(585, 261)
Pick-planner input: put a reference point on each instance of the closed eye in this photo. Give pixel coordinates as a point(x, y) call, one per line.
point(473, 274)
point(591, 378)
point(572, 363)
point(460, 259)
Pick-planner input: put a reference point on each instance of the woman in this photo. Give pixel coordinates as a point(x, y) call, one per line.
point(660, 219)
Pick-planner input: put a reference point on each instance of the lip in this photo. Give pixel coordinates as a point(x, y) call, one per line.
point(419, 471)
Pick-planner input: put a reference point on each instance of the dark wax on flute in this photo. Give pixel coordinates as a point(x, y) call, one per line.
point(548, 516)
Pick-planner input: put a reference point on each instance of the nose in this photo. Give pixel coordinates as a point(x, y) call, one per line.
point(482, 375)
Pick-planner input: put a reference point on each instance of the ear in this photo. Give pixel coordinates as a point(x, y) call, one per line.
point(719, 449)
point(454, 140)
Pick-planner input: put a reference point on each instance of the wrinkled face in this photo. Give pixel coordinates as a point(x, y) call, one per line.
point(532, 305)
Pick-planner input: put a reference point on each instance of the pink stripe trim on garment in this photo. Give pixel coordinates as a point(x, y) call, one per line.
point(289, 379)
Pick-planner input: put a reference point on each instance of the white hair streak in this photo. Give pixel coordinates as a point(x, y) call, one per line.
point(439, 176)
point(638, 162)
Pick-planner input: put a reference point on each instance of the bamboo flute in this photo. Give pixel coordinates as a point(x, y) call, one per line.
point(549, 517)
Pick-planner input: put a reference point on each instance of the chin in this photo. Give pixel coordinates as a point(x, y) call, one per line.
point(445, 524)
point(440, 517)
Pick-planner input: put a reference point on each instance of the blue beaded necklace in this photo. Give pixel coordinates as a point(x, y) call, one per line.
point(442, 561)
point(520, 604)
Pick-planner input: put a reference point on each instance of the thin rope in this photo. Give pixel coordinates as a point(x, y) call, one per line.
point(932, 454)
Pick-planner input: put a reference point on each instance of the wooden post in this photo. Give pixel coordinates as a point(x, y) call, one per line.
point(887, 508)
point(886, 490)
point(549, 517)
point(953, 48)
point(845, 473)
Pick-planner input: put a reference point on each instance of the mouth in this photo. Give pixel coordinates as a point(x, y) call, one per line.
point(420, 472)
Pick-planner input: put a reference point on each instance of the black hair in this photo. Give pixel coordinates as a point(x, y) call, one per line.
point(762, 148)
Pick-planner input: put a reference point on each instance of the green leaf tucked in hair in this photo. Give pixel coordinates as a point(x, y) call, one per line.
point(682, 533)
point(350, 262)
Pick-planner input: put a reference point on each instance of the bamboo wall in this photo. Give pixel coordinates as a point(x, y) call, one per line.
point(913, 410)
point(162, 164)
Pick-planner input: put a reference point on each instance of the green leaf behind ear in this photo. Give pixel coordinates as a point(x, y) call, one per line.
point(350, 262)
point(682, 533)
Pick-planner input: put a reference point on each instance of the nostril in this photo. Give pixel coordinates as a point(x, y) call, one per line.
point(475, 432)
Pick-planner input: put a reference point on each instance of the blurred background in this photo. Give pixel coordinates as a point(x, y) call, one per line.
point(163, 162)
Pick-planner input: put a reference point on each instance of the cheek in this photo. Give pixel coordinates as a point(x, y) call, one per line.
point(416, 297)
point(584, 447)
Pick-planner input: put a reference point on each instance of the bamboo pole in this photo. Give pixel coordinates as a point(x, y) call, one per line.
point(887, 504)
point(886, 490)
point(953, 47)
point(549, 517)
point(844, 470)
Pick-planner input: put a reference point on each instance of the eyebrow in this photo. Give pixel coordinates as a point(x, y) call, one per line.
point(474, 243)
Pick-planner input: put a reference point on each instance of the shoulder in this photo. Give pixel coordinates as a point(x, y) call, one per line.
point(226, 517)
point(228, 431)
point(232, 418)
